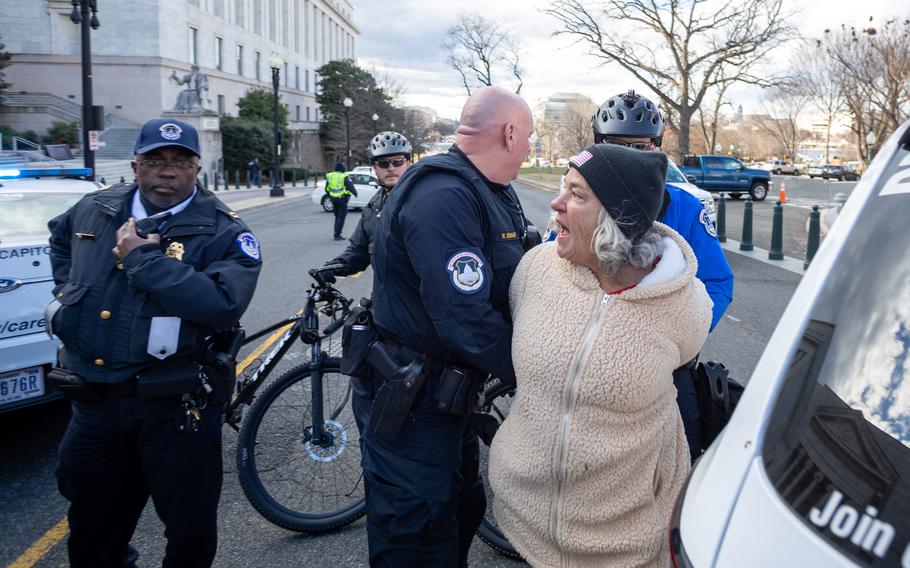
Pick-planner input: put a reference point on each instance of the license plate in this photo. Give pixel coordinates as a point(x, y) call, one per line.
point(21, 384)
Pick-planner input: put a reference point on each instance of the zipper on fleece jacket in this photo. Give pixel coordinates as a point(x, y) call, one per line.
point(568, 396)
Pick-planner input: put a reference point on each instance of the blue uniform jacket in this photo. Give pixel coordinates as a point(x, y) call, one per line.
point(204, 271)
point(687, 216)
point(443, 259)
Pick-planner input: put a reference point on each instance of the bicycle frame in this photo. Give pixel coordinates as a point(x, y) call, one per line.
point(305, 327)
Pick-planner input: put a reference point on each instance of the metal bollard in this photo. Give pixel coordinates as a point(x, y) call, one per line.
point(248, 180)
point(122, 179)
point(746, 243)
point(814, 230)
point(777, 233)
point(103, 182)
point(293, 178)
point(205, 180)
point(259, 180)
point(236, 179)
point(215, 180)
point(722, 219)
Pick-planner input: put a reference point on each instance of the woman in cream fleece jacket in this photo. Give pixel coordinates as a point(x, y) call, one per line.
point(587, 465)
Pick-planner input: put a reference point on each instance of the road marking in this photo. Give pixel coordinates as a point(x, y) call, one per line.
point(262, 347)
point(733, 318)
point(42, 546)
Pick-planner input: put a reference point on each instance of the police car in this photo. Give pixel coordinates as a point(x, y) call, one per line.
point(813, 468)
point(29, 198)
point(366, 184)
point(677, 179)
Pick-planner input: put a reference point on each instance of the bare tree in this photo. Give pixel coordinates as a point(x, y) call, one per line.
point(872, 66)
point(819, 81)
point(783, 110)
point(481, 50)
point(680, 49)
point(709, 123)
point(574, 130)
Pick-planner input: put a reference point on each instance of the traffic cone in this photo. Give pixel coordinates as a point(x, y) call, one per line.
point(782, 197)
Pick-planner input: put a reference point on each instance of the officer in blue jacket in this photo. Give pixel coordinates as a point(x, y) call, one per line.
point(135, 315)
point(449, 239)
point(629, 119)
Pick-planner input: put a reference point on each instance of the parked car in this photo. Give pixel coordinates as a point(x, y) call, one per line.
point(840, 173)
point(813, 468)
point(780, 167)
point(677, 179)
point(28, 200)
point(726, 173)
point(366, 184)
point(815, 170)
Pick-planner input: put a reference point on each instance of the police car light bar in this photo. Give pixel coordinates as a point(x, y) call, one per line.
point(44, 172)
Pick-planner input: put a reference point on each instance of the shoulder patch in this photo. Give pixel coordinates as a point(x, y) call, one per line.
point(707, 223)
point(466, 271)
point(248, 245)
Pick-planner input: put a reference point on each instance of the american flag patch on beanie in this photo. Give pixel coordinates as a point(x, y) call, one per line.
point(579, 160)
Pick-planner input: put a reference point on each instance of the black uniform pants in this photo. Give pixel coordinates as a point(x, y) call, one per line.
point(424, 495)
point(119, 451)
point(340, 209)
point(687, 400)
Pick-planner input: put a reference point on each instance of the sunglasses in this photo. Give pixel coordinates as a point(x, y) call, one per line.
point(634, 145)
point(393, 163)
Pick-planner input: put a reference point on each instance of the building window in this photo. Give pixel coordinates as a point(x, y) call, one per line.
point(286, 80)
point(306, 81)
point(307, 114)
point(297, 78)
point(239, 59)
point(258, 66)
point(298, 113)
point(221, 105)
point(218, 53)
point(193, 38)
point(239, 9)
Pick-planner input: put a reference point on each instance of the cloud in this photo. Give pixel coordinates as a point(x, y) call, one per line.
point(402, 39)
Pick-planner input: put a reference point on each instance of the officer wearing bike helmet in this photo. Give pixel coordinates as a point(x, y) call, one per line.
point(390, 156)
point(629, 119)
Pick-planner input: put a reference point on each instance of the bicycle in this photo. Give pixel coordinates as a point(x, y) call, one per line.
point(298, 454)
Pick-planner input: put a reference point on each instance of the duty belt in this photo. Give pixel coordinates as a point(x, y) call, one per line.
point(404, 355)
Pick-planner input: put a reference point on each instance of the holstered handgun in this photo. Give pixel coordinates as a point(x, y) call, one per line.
point(223, 357)
point(397, 394)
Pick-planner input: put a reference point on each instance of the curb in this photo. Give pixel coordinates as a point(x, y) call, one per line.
point(537, 185)
point(258, 202)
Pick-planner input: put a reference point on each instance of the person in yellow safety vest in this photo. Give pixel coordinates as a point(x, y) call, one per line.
point(339, 187)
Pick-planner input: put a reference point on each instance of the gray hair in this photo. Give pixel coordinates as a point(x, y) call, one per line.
point(615, 250)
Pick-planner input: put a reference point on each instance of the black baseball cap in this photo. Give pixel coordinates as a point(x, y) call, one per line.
point(164, 132)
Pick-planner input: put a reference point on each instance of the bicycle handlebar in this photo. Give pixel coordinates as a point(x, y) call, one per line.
point(333, 327)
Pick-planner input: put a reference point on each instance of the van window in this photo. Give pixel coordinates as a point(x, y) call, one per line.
point(837, 447)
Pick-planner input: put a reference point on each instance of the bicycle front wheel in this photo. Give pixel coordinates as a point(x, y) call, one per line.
point(293, 480)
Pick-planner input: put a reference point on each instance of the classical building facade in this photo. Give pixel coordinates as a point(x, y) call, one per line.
point(143, 45)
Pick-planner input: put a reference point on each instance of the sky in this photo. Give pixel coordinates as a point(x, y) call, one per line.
point(401, 40)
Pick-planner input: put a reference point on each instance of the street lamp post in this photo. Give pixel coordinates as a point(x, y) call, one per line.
point(275, 62)
point(84, 14)
point(348, 103)
point(375, 120)
point(870, 140)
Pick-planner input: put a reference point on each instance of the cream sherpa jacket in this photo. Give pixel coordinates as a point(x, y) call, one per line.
point(587, 465)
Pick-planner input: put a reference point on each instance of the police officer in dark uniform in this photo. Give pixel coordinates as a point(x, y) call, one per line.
point(136, 315)
point(448, 242)
point(390, 156)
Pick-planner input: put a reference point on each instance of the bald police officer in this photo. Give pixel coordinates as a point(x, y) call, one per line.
point(134, 314)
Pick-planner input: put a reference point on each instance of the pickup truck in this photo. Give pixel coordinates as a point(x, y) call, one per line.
point(726, 174)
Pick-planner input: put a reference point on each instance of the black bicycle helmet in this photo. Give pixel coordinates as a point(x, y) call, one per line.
point(388, 143)
point(628, 114)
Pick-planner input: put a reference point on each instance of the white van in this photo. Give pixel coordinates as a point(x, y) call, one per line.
point(813, 468)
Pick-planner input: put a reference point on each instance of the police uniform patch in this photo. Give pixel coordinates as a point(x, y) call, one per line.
point(466, 271)
point(170, 131)
point(708, 224)
point(248, 245)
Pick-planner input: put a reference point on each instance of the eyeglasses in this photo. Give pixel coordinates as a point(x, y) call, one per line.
point(161, 164)
point(393, 163)
point(634, 145)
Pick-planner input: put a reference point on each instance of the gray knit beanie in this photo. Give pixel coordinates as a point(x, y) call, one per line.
point(629, 184)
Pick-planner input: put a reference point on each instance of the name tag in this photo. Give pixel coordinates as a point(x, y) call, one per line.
point(508, 235)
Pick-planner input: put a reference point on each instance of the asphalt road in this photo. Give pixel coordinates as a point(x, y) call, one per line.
point(296, 235)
